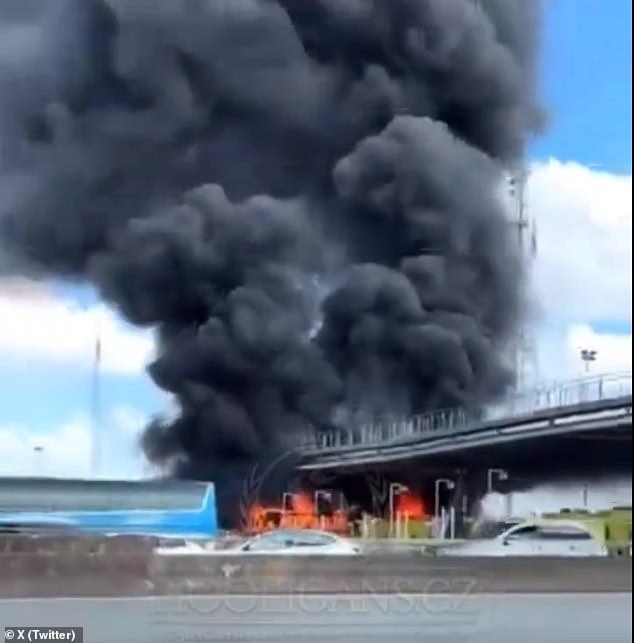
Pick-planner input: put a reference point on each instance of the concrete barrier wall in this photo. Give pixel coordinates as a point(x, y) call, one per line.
point(68, 565)
point(81, 545)
point(51, 566)
point(37, 575)
point(405, 572)
point(140, 573)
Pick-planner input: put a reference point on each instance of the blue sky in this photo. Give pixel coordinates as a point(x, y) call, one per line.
point(586, 70)
point(586, 83)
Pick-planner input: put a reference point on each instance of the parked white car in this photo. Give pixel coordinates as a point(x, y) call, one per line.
point(535, 538)
point(281, 542)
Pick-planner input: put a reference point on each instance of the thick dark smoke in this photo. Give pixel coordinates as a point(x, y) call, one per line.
point(299, 196)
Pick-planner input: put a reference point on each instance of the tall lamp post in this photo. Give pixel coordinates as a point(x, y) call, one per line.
point(449, 484)
point(588, 355)
point(396, 488)
point(95, 405)
point(492, 474)
point(584, 496)
point(440, 482)
point(501, 475)
point(326, 495)
point(38, 452)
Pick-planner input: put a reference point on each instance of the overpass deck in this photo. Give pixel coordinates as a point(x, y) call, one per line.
point(584, 405)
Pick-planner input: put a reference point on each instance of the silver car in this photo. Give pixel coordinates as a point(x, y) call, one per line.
point(280, 542)
point(535, 538)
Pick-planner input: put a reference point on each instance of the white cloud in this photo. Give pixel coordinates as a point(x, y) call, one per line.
point(584, 216)
point(559, 352)
point(37, 326)
point(129, 421)
point(614, 352)
point(583, 270)
point(66, 451)
point(582, 274)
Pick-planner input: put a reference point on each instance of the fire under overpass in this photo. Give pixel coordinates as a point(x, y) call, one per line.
point(580, 428)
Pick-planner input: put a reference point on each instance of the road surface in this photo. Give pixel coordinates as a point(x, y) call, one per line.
point(516, 618)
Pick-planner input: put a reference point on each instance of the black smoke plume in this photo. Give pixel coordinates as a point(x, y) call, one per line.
point(299, 196)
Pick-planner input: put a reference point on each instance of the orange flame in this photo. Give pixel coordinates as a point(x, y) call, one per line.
point(303, 504)
point(262, 518)
point(410, 505)
point(302, 514)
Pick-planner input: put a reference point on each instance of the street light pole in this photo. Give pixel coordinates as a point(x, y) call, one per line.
point(439, 483)
point(584, 496)
point(286, 496)
point(321, 493)
point(588, 355)
point(95, 456)
point(395, 489)
point(38, 451)
point(500, 474)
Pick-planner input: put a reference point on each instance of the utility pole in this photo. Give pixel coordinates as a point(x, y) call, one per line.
point(525, 358)
point(588, 355)
point(95, 410)
point(38, 453)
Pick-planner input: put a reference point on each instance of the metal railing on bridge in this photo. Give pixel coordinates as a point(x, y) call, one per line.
point(553, 395)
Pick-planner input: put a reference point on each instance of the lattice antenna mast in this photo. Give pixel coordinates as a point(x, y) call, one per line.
point(95, 404)
point(525, 357)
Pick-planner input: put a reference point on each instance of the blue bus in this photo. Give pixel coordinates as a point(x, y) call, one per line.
point(164, 508)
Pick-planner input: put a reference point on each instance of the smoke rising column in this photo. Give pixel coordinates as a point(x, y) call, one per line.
point(212, 167)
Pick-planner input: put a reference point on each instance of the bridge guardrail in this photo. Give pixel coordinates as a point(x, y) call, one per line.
point(446, 422)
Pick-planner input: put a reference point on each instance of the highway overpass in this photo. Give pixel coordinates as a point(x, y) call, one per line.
point(578, 423)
